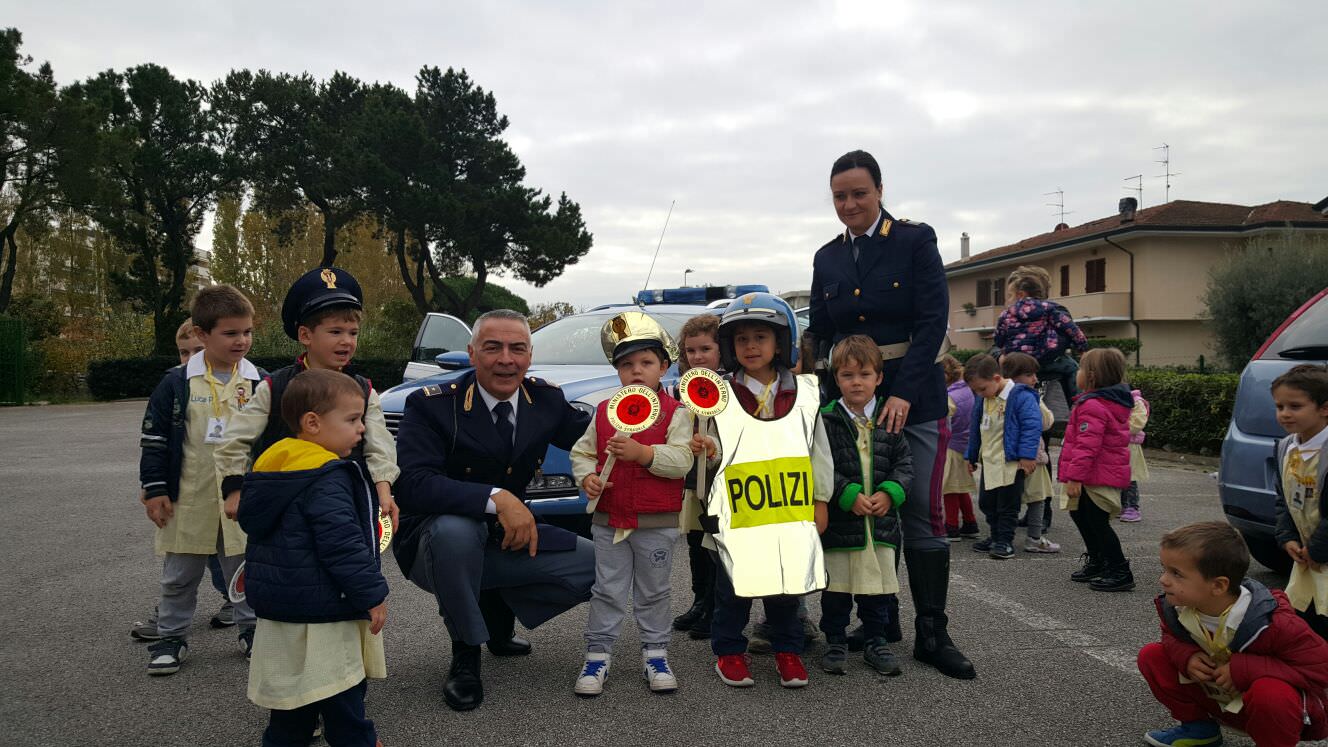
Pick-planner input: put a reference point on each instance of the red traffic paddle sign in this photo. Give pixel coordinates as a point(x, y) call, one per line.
point(236, 590)
point(384, 532)
point(633, 409)
point(703, 392)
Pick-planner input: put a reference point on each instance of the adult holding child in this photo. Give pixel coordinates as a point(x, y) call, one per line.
point(467, 449)
point(883, 278)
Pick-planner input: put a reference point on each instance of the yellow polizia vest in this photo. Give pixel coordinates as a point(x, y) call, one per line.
point(762, 494)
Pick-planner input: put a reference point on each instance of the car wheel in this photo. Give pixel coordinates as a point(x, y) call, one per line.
point(1269, 554)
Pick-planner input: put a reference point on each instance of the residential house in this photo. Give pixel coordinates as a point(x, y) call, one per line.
point(1138, 274)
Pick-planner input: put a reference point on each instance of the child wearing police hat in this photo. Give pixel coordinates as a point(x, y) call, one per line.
point(771, 446)
point(635, 522)
point(322, 311)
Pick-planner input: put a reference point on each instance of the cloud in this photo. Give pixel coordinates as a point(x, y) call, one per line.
point(736, 110)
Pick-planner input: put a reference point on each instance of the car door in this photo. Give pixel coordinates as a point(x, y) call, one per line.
point(438, 333)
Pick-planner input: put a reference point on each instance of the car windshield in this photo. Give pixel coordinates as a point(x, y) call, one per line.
point(442, 334)
point(1304, 339)
point(574, 340)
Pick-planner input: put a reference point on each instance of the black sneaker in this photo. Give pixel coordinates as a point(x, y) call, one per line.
point(969, 530)
point(225, 617)
point(952, 534)
point(1001, 551)
point(982, 545)
point(145, 630)
point(1091, 569)
point(1118, 578)
point(246, 639)
point(878, 656)
point(1023, 521)
point(166, 655)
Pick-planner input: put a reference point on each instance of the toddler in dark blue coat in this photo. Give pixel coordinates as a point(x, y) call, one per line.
point(312, 569)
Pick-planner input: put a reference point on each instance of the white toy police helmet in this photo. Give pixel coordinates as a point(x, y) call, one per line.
point(765, 308)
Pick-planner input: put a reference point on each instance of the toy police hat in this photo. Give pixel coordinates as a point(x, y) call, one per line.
point(318, 289)
point(631, 331)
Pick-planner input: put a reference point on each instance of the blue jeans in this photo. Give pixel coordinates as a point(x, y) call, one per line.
point(1064, 369)
point(733, 611)
point(873, 611)
point(344, 722)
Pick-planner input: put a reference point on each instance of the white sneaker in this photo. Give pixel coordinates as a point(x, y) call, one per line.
point(1041, 544)
point(590, 681)
point(655, 666)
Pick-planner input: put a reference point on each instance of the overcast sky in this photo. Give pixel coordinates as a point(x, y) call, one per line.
point(737, 110)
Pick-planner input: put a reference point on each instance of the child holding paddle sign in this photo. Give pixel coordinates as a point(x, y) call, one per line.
point(631, 463)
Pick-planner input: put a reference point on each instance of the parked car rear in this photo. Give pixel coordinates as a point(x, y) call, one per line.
point(1247, 478)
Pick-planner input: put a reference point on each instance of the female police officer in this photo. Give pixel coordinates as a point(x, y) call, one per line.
point(883, 278)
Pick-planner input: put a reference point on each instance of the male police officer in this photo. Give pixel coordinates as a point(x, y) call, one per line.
point(467, 451)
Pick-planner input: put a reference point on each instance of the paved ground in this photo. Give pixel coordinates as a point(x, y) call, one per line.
point(1055, 660)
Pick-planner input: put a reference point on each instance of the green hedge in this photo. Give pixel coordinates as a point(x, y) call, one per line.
point(123, 378)
point(1127, 345)
point(1190, 411)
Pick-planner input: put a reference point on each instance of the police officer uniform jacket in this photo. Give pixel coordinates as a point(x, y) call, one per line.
point(896, 294)
point(451, 455)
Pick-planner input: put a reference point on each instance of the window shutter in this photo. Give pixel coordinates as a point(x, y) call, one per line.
point(1095, 276)
point(1065, 280)
point(984, 293)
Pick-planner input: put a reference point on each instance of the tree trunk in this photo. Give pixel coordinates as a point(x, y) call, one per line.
point(416, 285)
point(329, 240)
point(10, 250)
point(476, 290)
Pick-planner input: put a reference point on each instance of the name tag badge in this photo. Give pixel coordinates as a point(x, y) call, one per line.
point(986, 421)
point(216, 431)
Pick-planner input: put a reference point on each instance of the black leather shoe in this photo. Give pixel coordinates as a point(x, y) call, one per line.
point(513, 646)
point(464, 691)
point(501, 622)
point(700, 630)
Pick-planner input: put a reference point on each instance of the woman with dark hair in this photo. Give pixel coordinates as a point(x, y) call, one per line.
point(883, 278)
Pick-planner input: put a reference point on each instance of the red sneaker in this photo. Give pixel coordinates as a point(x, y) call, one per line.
point(791, 671)
point(733, 670)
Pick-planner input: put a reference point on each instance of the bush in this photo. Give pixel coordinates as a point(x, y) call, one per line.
point(963, 354)
point(1127, 345)
point(1190, 411)
point(123, 378)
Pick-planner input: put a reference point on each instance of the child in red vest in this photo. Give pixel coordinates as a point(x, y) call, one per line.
point(1232, 651)
point(635, 523)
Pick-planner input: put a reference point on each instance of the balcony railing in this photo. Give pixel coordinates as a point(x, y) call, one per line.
point(1085, 306)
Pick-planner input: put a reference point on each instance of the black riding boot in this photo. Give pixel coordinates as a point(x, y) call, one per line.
point(703, 582)
point(501, 622)
point(929, 581)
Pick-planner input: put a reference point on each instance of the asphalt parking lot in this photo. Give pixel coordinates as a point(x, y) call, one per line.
point(1055, 661)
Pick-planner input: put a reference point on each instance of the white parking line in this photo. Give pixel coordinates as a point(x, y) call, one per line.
point(1063, 632)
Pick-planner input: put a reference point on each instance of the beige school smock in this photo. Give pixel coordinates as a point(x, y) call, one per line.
point(1214, 636)
point(1107, 499)
point(1138, 465)
point(233, 455)
point(198, 517)
point(1300, 475)
point(870, 570)
point(1038, 486)
point(996, 472)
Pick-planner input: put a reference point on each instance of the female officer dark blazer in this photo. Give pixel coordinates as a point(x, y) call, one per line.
point(898, 295)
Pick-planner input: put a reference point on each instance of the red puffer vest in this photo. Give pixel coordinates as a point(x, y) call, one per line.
point(636, 491)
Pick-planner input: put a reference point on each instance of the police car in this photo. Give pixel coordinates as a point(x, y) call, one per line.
point(568, 353)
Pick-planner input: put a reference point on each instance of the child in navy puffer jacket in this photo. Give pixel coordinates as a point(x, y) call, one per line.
point(1095, 466)
point(312, 569)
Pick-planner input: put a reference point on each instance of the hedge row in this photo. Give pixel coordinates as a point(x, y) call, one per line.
point(122, 378)
point(1190, 411)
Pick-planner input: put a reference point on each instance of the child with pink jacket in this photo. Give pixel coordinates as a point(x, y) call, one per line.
point(1095, 467)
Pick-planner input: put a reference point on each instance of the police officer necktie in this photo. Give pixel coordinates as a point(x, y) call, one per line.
point(503, 412)
point(860, 252)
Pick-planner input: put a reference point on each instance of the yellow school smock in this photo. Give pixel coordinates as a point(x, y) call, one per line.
point(1217, 644)
point(198, 517)
point(1300, 474)
point(996, 472)
point(1106, 498)
point(295, 664)
point(1038, 486)
point(957, 477)
point(1138, 465)
point(870, 570)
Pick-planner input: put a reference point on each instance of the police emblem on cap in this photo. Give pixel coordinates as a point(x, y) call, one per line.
point(329, 277)
point(317, 290)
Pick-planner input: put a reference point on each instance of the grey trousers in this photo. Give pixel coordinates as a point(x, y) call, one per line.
point(923, 514)
point(1036, 517)
point(640, 566)
point(456, 561)
point(180, 577)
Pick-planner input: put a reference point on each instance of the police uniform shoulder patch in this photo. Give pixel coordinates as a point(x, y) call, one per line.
point(432, 390)
point(536, 381)
point(906, 221)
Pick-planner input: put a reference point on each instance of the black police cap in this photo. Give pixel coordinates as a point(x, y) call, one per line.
point(316, 290)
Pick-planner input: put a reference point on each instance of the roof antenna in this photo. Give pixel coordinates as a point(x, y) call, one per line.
point(1137, 190)
point(1166, 166)
point(657, 246)
point(1059, 204)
